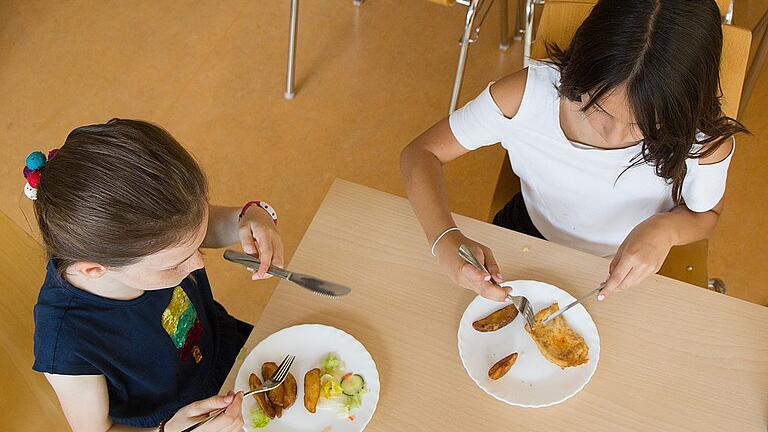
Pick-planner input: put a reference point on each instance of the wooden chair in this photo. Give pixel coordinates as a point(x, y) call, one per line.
point(759, 60)
point(753, 71)
point(469, 35)
point(558, 23)
point(25, 393)
point(526, 28)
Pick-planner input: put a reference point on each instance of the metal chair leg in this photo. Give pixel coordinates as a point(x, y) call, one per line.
point(528, 35)
point(289, 94)
point(504, 25)
point(468, 25)
point(728, 18)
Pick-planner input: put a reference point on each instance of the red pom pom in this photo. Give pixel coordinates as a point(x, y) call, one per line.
point(34, 178)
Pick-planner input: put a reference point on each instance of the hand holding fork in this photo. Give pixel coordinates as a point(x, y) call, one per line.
point(274, 381)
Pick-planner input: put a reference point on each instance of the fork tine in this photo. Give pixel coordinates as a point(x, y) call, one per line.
point(282, 370)
point(275, 376)
point(284, 362)
point(288, 367)
point(528, 313)
point(529, 309)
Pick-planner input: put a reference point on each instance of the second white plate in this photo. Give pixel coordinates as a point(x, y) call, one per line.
point(310, 343)
point(533, 381)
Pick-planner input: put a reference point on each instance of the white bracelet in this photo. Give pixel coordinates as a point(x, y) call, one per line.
point(441, 236)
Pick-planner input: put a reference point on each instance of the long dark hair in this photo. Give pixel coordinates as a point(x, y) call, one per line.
point(667, 53)
point(117, 192)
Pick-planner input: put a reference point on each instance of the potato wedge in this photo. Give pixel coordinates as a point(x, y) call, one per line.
point(311, 389)
point(276, 395)
point(501, 367)
point(290, 391)
point(496, 320)
point(261, 398)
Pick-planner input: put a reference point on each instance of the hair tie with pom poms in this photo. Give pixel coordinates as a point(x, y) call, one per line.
point(33, 170)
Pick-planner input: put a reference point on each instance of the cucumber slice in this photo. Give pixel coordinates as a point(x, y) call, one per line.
point(352, 385)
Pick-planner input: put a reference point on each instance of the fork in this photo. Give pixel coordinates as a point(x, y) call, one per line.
point(273, 382)
point(521, 303)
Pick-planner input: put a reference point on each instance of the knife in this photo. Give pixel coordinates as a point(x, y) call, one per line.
point(574, 303)
point(311, 283)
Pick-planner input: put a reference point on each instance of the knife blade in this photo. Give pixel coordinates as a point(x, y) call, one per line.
point(308, 282)
point(573, 303)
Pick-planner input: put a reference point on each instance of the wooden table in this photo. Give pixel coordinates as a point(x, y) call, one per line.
point(673, 358)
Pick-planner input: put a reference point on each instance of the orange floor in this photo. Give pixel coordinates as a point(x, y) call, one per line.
point(369, 80)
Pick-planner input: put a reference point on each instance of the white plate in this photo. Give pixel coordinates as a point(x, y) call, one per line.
point(533, 381)
point(310, 343)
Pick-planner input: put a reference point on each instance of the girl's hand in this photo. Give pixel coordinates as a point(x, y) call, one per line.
point(259, 237)
point(465, 274)
point(229, 421)
point(641, 255)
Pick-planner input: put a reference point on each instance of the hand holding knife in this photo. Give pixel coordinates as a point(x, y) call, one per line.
point(311, 283)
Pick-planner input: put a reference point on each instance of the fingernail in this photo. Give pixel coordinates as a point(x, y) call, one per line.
point(487, 278)
point(249, 249)
point(600, 297)
point(229, 398)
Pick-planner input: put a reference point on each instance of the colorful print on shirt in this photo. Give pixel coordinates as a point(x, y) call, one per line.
point(181, 323)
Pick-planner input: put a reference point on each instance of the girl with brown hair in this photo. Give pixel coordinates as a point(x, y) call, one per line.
point(126, 328)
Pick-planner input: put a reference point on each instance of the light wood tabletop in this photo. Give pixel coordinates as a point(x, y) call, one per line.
point(673, 357)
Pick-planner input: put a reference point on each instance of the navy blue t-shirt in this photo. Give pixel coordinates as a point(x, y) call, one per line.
point(158, 352)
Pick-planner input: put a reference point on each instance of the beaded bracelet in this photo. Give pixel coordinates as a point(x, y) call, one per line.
point(266, 207)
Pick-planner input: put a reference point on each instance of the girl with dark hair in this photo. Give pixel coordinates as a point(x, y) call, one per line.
point(126, 328)
point(619, 142)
